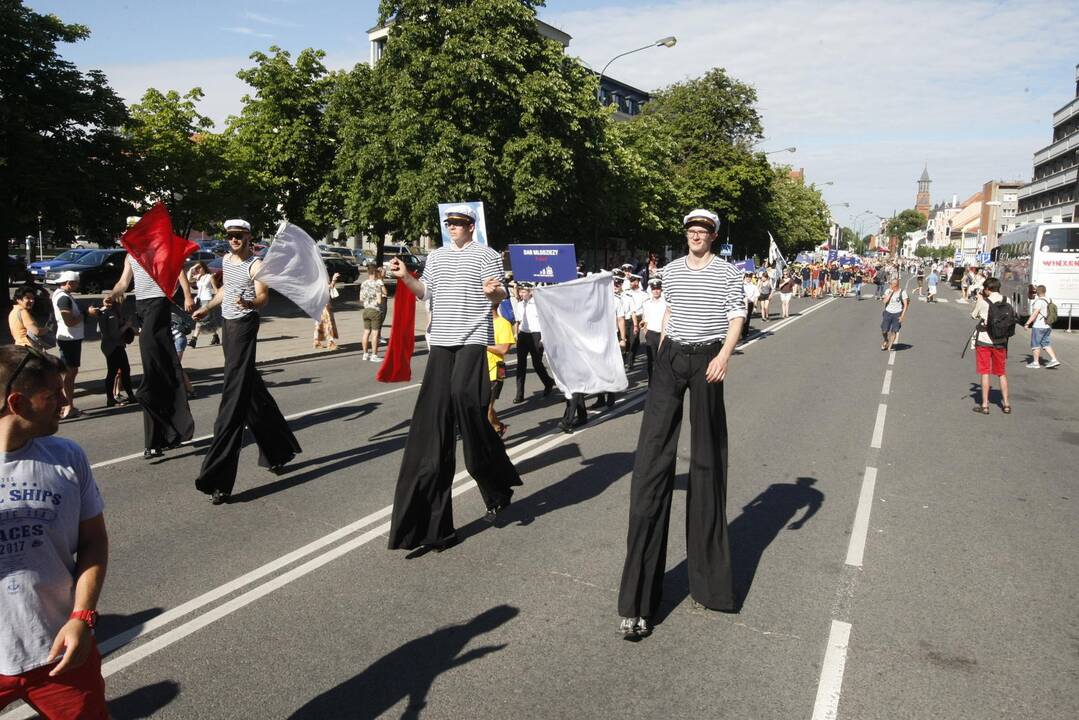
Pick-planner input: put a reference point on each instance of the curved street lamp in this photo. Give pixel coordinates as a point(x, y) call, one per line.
point(668, 41)
point(786, 149)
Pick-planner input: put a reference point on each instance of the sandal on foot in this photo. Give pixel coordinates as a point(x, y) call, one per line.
point(1007, 409)
point(983, 409)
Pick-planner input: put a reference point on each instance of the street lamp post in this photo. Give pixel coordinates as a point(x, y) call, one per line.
point(668, 41)
point(39, 243)
point(839, 231)
point(786, 149)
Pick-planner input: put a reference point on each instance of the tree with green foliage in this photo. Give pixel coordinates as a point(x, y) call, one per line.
point(280, 149)
point(469, 102)
point(181, 162)
point(62, 157)
point(797, 215)
point(712, 123)
point(905, 222)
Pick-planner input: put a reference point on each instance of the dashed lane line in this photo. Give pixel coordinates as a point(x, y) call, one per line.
point(887, 387)
point(878, 427)
point(826, 706)
point(856, 547)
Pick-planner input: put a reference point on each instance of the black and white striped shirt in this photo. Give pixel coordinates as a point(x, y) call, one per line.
point(238, 283)
point(145, 286)
point(453, 286)
point(702, 302)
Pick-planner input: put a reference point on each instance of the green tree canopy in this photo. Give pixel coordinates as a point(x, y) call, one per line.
point(905, 222)
point(60, 152)
point(469, 102)
point(798, 217)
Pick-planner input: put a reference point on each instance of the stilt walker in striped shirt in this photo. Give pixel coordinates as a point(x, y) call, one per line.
point(461, 282)
point(166, 416)
point(703, 322)
point(245, 401)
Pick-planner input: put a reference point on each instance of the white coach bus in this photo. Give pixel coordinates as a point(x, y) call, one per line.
point(1040, 254)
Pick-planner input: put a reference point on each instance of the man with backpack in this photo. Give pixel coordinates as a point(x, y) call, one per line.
point(996, 323)
point(1043, 313)
point(896, 303)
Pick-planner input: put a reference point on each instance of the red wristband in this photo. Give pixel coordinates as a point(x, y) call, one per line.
point(87, 616)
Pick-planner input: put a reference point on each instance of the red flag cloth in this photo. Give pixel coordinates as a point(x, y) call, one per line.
point(159, 251)
point(397, 364)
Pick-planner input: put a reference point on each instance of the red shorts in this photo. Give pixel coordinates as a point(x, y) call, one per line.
point(78, 693)
point(991, 360)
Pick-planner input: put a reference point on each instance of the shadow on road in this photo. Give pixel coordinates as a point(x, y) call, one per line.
point(111, 625)
point(407, 672)
point(144, 702)
point(749, 536)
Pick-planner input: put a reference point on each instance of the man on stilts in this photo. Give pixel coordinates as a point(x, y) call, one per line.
point(245, 401)
point(166, 416)
point(703, 323)
point(461, 282)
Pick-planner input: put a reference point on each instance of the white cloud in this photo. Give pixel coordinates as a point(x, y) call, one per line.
point(868, 91)
point(247, 31)
point(268, 20)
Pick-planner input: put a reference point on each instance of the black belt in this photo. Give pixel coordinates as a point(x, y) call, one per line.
point(697, 348)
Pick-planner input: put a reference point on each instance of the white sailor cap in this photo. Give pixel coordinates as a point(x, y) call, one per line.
point(655, 282)
point(133, 220)
point(461, 212)
point(67, 276)
point(237, 224)
point(627, 266)
point(705, 218)
point(633, 276)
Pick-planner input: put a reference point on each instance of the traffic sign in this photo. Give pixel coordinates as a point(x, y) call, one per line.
point(726, 250)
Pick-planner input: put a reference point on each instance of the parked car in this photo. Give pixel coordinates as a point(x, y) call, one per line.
point(205, 256)
point(98, 271)
point(348, 270)
point(412, 263)
point(16, 270)
point(40, 269)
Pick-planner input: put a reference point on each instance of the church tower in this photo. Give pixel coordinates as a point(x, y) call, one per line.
point(921, 201)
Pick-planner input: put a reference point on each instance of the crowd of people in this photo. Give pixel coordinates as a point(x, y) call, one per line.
point(686, 316)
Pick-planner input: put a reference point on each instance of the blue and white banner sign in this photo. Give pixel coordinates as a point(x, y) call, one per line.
point(833, 255)
point(746, 266)
point(726, 250)
point(480, 235)
point(543, 263)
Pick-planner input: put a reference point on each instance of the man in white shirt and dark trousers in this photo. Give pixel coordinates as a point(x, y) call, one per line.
point(635, 298)
point(55, 549)
point(529, 343)
point(461, 282)
point(653, 313)
point(704, 321)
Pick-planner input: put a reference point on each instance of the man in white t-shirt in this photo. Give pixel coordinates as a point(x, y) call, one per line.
point(1040, 331)
point(896, 303)
point(70, 331)
point(55, 548)
point(636, 298)
point(752, 292)
point(653, 318)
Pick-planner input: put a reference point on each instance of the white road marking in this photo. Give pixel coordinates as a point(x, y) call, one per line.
point(856, 547)
point(294, 416)
point(826, 706)
point(878, 427)
point(891, 358)
point(887, 383)
point(941, 300)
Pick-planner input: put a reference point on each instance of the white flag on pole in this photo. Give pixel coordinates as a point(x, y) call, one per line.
point(579, 335)
point(775, 258)
point(293, 266)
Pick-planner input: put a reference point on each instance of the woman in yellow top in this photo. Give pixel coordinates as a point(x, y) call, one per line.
point(20, 320)
point(496, 365)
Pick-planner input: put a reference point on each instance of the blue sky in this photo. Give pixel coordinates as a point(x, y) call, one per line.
point(868, 91)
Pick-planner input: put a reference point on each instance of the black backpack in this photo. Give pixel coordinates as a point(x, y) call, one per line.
point(1002, 321)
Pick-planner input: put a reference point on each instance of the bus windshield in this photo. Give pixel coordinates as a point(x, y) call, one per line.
point(1060, 240)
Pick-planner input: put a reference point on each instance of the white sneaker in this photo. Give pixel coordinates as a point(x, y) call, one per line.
point(1034, 365)
point(1052, 363)
point(376, 358)
point(366, 356)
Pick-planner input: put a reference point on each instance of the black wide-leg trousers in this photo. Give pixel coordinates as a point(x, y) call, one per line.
point(245, 402)
point(529, 344)
point(651, 348)
point(711, 583)
point(456, 389)
point(166, 417)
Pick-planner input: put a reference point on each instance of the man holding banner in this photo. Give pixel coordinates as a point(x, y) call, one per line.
point(245, 401)
point(461, 281)
point(704, 321)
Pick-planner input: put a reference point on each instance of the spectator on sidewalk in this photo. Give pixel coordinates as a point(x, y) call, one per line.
point(20, 320)
point(206, 288)
point(991, 354)
point(326, 327)
point(56, 552)
point(116, 333)
point(70, 331)
point(764, 293)
point(931, 283)
point(371, 292)
point(1040, 331)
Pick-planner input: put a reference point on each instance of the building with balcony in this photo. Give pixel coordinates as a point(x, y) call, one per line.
point(1053, 192)
point(1000, 209)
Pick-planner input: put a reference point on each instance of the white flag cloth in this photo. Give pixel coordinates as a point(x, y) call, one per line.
point(579, 335)
point(293, 266)
point(775, 258)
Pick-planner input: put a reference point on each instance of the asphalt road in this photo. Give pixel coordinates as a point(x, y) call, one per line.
point(899, 555)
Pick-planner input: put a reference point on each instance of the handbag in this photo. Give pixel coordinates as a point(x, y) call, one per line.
point(334, 293)
point(500, 370)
